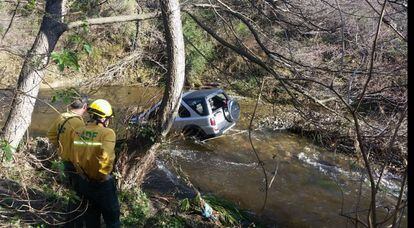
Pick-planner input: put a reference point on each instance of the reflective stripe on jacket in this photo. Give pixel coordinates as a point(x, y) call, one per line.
point(93, 148)
point(66, 122)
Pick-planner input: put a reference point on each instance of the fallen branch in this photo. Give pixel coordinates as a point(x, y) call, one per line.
point(111, 20)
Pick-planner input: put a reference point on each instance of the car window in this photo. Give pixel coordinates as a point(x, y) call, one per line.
point(198, 105)
point(183, 112)
point(218, 101)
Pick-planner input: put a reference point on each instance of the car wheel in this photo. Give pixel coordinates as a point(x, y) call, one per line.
point(232, 111)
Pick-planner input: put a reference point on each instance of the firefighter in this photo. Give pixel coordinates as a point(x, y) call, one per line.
point(93, 147)
point(60, 134)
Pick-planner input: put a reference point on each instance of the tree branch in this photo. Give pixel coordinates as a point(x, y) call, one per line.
point(11, 20)
point(261, 163)
point(114, 19)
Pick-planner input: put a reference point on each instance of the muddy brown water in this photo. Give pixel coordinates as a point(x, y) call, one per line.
point(310, 187)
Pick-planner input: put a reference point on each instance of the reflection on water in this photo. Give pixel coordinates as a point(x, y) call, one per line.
point(309, 184)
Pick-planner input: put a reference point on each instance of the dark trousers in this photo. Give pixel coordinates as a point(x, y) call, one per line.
point(75, 208)
point(102, 200)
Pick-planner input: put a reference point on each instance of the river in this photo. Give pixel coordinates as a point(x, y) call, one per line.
point(310, 186)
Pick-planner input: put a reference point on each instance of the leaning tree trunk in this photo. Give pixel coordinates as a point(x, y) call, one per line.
point(133, 173)
point(176, 65)
point(31, 74)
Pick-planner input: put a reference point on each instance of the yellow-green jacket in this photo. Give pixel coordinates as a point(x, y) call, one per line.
point(93, 147)
point(61, 136)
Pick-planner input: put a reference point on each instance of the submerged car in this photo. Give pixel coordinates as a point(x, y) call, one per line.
point(203, 113)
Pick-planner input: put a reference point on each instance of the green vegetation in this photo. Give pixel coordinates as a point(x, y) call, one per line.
point(30, 5)
point(66, 95)
point(59, 167)
point(227, 213)
point(199, 50)
point(230, 215)
point(242, 29)
point(147, 132)
point(76, 45)
point(135, 208)
point(6, 150)
point(246, 86)
point(166, 221)
point(66, 59)
point(185, 205)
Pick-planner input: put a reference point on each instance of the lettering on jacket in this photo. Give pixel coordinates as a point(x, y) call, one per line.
point(88, 135)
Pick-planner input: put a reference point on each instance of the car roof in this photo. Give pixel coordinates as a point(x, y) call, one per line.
point(201, 93)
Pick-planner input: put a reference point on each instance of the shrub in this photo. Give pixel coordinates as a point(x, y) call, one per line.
point(135, 208)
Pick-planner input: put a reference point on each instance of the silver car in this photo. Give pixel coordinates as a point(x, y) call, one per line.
point(203, 113)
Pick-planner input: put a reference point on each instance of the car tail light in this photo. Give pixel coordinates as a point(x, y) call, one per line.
point(213, 122)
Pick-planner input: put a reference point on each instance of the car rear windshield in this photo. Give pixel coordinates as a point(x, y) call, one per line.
point(198, 105)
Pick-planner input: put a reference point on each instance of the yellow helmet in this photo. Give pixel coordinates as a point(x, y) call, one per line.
point(100, 108)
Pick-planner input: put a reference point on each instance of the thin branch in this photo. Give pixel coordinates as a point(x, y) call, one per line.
point(396, 211)
point(11, 20)
point(261, 163)
point(372, 211)
point(274, 175)
point(399, 206)
point(371, 67)
point(361, 181)
point(114, 19)
point(372, 215)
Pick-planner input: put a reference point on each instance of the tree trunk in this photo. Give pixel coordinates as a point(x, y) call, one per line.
point(133, 173)
point(31, 74)
point(134, 168)
point(176, 64)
